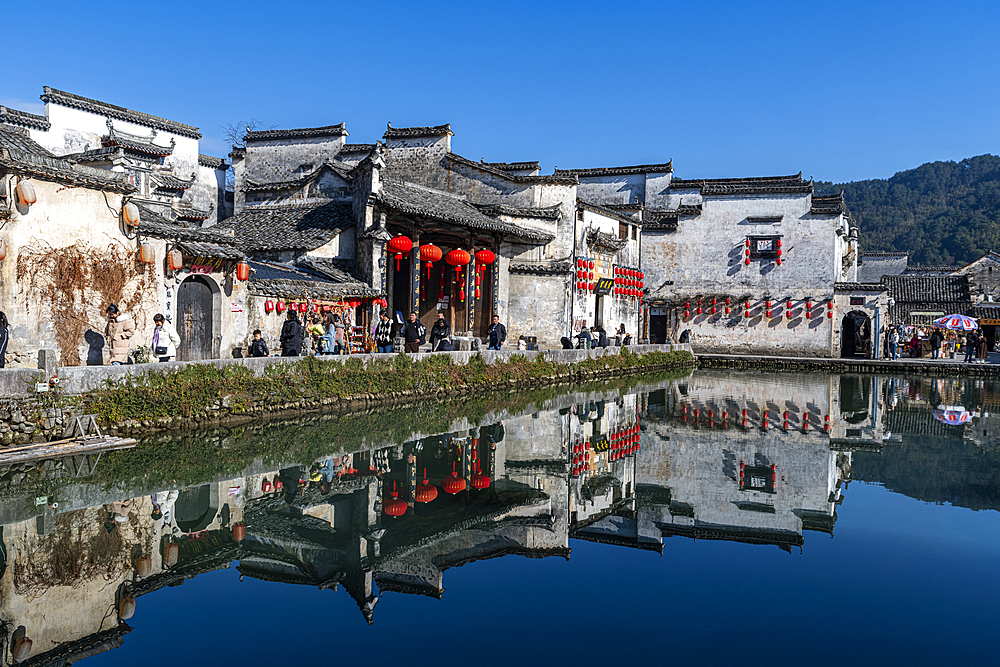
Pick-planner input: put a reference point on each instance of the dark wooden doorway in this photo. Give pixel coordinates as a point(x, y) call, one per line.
point(195, 319)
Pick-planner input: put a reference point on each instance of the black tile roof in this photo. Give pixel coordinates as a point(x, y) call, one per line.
point(168, 182)
point(106, 154)
point(136, 144)
point(20, 154)
point(606, 242)
point(921, 289)
point(418, 200)
point(213, 162)
point(510, 176)
point(859, 287)
point(867, 253)
point(299, 133)
point(545, 213)
point(931, 270)
point(192, 213)
point(664, 168)
point(828, 204)
point(403, 132)
point(24, 119)
point(268, 228)
point(340, 168)
point(153, 224)
point(53, 96)
point(611, 213)
point(541, 268)
point(514, 166)
point(357, 148)
point(282, 281)
point(201, 249)
point(737, 186)
point(340, 271)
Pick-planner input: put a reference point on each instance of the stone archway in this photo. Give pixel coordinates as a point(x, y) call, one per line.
point(856, 335)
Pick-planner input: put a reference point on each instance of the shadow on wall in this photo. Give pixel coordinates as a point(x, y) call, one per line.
point(95, 353)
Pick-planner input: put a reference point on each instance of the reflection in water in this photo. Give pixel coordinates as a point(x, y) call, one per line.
point(750, 458)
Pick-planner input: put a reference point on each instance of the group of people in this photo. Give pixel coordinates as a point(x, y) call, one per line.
point(595, 336)
point(326, 335)
point(900, 338)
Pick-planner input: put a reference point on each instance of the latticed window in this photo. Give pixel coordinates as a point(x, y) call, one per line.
point(764, 247)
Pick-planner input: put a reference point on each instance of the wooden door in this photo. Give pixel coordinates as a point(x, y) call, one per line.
point(194, 320)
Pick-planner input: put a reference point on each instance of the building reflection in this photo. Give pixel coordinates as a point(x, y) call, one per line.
point(754, 459)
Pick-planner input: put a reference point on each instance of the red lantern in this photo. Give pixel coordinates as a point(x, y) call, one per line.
point(280, 307)
point(243, 271)
point(268, 306)
point(175, 260)
point(239, 531)
point(591, 265)
point(590, 275)
point(426, 492)
point(579, 263)
point(395, 507)
point(485, 257)
point(429, 253)
point(400, 245)
point(457, 258)
point(303, 307)
point(480, 481)
point(453, 484)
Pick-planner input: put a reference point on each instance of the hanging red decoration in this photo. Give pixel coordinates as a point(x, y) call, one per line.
point(426, 492)
point(268, 306)
point(429, 253)
point(591, 265)
point(303, 307)
point(485, 257)
point(399, 245)
point(280, 306)
point(243, 271)
point(453, 484)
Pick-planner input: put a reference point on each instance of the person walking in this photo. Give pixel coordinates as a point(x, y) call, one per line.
point(165, 339)
point(936, 338)
point(384, 333)
point(413, 333)
point(971, 339)
point(439, 331)
point(982, 349)
point(118, 333)
point(258, 347)
point(497, 334)
point(894, 343)
point(4, 338)
point(291, 335)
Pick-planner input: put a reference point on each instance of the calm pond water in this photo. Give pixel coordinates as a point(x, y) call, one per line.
point(712, 518)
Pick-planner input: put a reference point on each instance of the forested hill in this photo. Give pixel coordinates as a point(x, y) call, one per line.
point(942, 213)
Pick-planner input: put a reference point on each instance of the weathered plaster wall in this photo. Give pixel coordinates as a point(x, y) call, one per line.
point(282, 159)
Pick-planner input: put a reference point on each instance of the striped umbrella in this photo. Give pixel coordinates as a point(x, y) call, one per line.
point(953, 415)
point(956, 322)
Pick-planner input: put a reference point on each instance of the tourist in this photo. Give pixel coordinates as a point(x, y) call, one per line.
point(327, 338)
point(567, 344)
point(522, 343)
point(916, 348)
point(315, 331)
point(685, 336)
point(602, 337)
point(971, 339)
point(291, 335)
point(339, 336)
point(936, 339)
point(982, 349)
point(439, 331)
point(893, 340)
point(165, 339)
point(446, 345)
point(413, 333)
point(620, 334)
point(384, 333)
point(585, 340)
point(118, 332)
point(258, 347)
point(4, 338)
point(497, 334)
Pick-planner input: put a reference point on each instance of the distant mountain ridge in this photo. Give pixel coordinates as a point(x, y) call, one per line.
point(941, 213)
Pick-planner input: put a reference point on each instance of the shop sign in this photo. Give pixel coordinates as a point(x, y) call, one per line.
point(604, 286)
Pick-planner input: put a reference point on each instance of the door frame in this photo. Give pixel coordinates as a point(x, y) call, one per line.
point(216, 314)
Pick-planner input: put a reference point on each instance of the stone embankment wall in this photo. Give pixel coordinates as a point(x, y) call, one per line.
point(27, 416)
point(903, 367)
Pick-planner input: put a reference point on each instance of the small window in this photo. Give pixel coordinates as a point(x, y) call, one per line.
point(764, 247)
point(579, 214)
point(622, 230)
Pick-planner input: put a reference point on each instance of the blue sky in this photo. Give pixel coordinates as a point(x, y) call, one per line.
point(839, 90)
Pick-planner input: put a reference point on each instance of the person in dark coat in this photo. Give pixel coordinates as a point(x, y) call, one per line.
point(258, 347)
point(413, 333)
point(567, 344)
point(602, 337)
point(971, 340)
point(439, 331)
point(4, 338)
point(936, 339)
point(497, 334)
point(291, 335)
point(685, 336)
